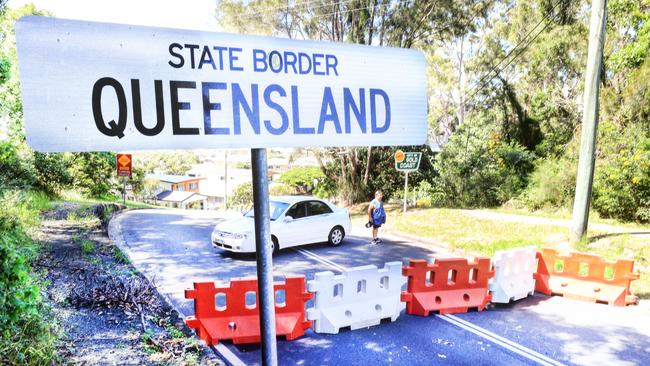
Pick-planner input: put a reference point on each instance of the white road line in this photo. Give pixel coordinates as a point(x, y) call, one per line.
point(318, 258)
point(505, 340)
point(228, 355)
point(505, 343)
point(463, 324)
point(322, 259)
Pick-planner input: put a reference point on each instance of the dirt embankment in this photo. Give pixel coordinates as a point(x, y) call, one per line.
point(108, 313)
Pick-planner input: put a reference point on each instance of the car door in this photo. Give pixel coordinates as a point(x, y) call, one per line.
point(319, 220)
point(294, 231)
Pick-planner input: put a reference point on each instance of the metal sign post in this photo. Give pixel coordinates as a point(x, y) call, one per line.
point(407, 162)
point(406, 189)
point(264, 255)
point(124, 163)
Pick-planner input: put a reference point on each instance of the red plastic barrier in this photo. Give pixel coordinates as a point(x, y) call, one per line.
point(582, 276)
point(240, 322)
point(453, 285)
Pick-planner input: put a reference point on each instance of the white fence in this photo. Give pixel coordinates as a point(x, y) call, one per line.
point(513, 279)
point(359, 297)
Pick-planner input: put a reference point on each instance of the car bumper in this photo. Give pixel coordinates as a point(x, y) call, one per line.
point(233, 245)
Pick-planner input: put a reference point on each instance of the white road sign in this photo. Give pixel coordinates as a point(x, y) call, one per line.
point(90, 86)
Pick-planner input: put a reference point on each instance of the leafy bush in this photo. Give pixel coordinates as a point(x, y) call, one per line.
point(52, 174)
point(15, 168)
point(25, 332)
point(242, 196)
point(552, 184)
point(478, 169)
point(429, 195)
point(281, 190)
point(622, 183)
point(303, 179)
point(92, 172)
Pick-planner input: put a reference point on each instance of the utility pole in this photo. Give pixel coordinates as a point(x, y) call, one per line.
point(585, 177)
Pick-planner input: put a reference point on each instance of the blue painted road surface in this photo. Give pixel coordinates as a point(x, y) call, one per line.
point(172, 248)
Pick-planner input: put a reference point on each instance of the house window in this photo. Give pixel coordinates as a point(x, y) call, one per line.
point(194, 186)
point(181, 187)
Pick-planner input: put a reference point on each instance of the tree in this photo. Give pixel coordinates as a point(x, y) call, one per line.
point(92, 172)
point(303, 179)
point(177, 162)
point(136, 181)
point(406, 24)
point(242, 196)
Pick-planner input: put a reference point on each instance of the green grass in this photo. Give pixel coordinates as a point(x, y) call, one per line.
point(75, 197)
point(565, 214)
point(471, 235)
point(87, 246)
point(119, 256)
point(173, 331)
point(29, 332)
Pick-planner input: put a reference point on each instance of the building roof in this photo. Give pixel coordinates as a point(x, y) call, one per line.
point(169, 178)
point(179, 196)
point(293, 199)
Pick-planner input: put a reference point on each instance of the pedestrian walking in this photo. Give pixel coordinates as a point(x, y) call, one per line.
point(376, 216)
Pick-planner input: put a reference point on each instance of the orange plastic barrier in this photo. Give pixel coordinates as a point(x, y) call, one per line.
point(448, 285)
point(241, 322)
point(583, 277)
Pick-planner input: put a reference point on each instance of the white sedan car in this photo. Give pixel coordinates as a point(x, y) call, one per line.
point(295, 220)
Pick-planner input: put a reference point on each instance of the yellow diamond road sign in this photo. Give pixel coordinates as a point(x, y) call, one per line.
point(124, 160)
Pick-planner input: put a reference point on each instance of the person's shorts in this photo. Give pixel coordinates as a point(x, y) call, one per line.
point(376, 226)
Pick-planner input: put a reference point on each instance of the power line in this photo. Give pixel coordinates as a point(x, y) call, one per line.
point(259, 14)
point(481, 84)
point(523, 49)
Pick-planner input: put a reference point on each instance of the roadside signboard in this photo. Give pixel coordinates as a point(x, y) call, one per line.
point(90, 86)
point(124, 163)
point(407, 161)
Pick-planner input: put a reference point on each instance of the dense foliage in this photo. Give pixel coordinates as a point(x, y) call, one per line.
point(506, 86)
point(303, 179)
point(25, 328)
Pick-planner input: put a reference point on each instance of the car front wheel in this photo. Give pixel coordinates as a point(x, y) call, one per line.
point(275, 247)
point(336, 236)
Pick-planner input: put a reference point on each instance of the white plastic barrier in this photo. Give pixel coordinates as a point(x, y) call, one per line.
point(359, 297)
point(513, 278)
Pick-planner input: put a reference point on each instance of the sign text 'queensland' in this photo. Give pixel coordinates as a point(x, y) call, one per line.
point(97, 86)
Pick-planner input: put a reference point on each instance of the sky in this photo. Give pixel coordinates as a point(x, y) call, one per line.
point(185, 14)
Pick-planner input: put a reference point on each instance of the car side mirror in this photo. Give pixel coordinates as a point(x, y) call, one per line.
point(288, 218)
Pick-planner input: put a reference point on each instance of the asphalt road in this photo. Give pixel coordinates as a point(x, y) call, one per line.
point(172, 247)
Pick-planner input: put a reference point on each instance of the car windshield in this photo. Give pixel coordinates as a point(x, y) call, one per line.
point(276, 209)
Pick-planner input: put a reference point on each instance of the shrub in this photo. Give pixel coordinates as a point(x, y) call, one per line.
point(303, 179)
point(242, 196)
point(477, 169)
point(552, 184)
point(25, 332)
point(622, 183)
point(281, 190)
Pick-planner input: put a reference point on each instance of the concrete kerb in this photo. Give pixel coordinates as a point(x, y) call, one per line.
point(114, 231)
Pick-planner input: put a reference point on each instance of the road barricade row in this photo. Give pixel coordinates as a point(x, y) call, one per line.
point(586, 277)
point(357, 298)
point(514, 277)
point(237, 317)
point(448, 285)
point(363, 296)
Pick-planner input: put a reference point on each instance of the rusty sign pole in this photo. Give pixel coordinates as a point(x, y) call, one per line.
point(264, 256)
